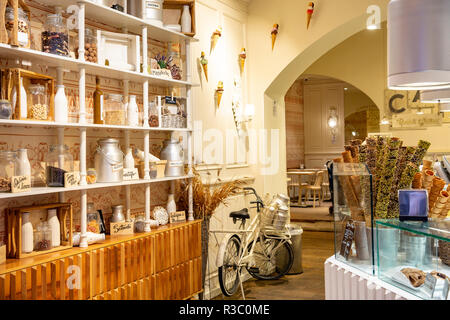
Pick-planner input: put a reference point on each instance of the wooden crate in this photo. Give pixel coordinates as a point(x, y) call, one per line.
point(178, 4)
point(14, 229)
point(15, 4)
point(119, 50)
point(2, 254)
point(11, 77)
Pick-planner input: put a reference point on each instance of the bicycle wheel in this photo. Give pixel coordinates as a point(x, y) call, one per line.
point(229, 271)
point(273, 259)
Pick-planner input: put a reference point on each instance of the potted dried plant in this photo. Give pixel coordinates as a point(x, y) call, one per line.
point(207, 197)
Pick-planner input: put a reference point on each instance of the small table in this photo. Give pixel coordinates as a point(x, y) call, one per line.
point(301, 174)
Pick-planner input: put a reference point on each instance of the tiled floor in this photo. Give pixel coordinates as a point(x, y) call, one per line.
point(310, 285)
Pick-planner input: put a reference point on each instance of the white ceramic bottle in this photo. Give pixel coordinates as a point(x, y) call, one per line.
point(27, 233)
point(61, 105)
point(171, 205)
point(23, 101)
point(24, 167)
point(186, 20)
point(129, 159)
point(53, 221)
point(133, 112)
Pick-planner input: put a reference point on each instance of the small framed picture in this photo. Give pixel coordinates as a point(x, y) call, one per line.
point(413, 204)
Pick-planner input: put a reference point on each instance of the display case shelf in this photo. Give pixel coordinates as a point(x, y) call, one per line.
point(48, 124)
point(53, 60)
point(48, 190)
point(101, 13)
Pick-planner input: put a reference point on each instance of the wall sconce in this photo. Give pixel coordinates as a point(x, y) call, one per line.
point(333, 123)
point(243, 115)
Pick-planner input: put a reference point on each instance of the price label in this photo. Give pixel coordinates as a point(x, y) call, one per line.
point(130, 174)
point(20, 184)
point(71, 179)
point(179, 216)
point(162, 73)
point(347, 240)
point(121, 228)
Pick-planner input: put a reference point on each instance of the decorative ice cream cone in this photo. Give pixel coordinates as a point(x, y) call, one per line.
point(204, 63)
point(274, 34)
point(219, 92)
point(215, 38)
point(309, 14)
point(242, 57)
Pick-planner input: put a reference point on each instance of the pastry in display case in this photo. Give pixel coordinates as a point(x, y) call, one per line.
point(415, 256)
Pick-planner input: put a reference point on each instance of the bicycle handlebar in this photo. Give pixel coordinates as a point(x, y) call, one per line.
point(259, 203)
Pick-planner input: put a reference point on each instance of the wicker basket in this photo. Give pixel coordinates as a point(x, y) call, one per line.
point(444, 252)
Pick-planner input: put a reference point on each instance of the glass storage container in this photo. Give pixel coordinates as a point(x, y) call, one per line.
point(114, 110)
point(58, 162)
point(43, 237)
point(90, 46)
point(417, 258)
point(8, 168)
point(91, 176)
point(23, 25)
point(38, 108)
point(55, 37)
point(93, 219)
point(353, 215)
point(153, 117)
point(5, 110)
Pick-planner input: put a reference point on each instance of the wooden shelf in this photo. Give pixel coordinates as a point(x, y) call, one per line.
point(48, 190)
point(53, 60)
point(49, 124)
point(103, 14)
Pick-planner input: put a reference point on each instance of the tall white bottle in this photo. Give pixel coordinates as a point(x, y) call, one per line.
point(24, 163)
point(129, 159)
point(186, 20)
point(61, 105)
point(53, 221)
point(171, 205)
point(133, 112)
point(23, 101)
point(27, 233)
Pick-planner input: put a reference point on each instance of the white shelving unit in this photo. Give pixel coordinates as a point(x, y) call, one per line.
point(94, 11)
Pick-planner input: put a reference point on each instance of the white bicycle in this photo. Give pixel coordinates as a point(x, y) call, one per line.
point(266, 254)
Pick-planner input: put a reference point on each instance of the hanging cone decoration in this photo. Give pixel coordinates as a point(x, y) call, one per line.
point(215, 37)
point(219, 92)
point(204, 63)
point(309, 14)
point(274, 33)
point(242, 57)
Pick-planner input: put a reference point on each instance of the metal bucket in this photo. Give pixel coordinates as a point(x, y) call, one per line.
point(417, 250)
point(109, 161)
point(361, 243)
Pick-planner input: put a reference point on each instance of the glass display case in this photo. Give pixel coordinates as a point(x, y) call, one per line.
point(415, 256)
point(353, 215)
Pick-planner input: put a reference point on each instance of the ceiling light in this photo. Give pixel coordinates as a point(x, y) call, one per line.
point(372, 27)
point(435, 96)
point(345, 89)
point(385, 121)
point(418, 44)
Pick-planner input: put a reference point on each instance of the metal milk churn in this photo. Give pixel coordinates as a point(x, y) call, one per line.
point(173, 153)
point(109, 161)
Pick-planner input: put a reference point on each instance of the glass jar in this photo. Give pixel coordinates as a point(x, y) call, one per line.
point(8, 168)
point(43, 237)
point(153, 115)
point(139, 224)
point(91, 176)
point(38, 108)
point(58, 162)
point(23, 26)
point(93, 219)
point(5, 110)
point(114, 110)
point(55, 38)
point(90, 46)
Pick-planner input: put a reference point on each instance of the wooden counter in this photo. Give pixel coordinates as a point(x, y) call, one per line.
point(162, 264)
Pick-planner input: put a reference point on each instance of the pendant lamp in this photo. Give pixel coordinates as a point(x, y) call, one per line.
point(418, 44)
point(435, 96)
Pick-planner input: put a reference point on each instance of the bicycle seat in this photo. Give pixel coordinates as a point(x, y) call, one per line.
point(242, 214)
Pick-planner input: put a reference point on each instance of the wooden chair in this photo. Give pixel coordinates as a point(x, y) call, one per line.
point(316, 188)
point(326, 187)
point(293, 183)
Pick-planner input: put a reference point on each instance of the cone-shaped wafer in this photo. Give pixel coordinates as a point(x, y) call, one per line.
point(205, 70)
point(242, 57)
point(215, 38)
point(219, 92)
point(274, 34)
point(417, 182)
point(428, 180)
point(204, 63)
point(427, 165)
point(309, 14)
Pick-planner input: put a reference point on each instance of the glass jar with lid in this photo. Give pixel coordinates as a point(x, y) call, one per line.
point(5, 110)
point(8, 168)
point(55, 37)
point(93, 219)
point(43, 237)
point(114, 110)
point(153, 115)
point(23, 32)
point(90, 46)
point(38, 108)
point(58, 161)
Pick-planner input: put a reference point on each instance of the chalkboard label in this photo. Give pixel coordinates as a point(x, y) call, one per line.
point(20, 184)
point(347, 240)
point(71, 179)
point(170, 100)
point(130, 174)
point(121, 228)
point(179, 216)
